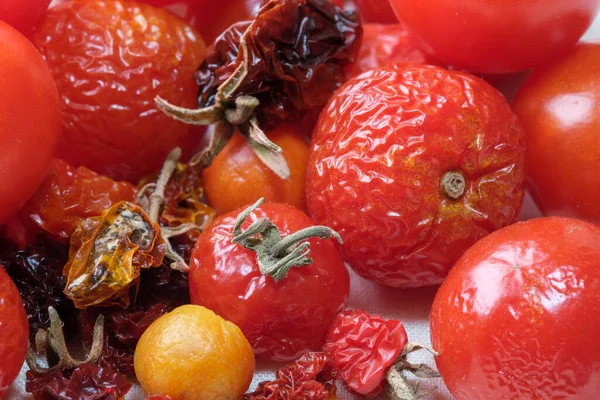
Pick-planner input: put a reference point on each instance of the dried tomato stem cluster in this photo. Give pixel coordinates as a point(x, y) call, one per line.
point(398, 386)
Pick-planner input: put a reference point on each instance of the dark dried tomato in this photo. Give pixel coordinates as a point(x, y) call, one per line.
point(128, 327)
point(308, 378)
point(362, 348)
point(164, 285)
point(37, 273)
point(87, 382)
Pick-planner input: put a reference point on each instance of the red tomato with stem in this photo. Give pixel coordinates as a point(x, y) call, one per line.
point(497, 36)
point(517, 316)
point(377, 11)
point(14, 332)
point(558, 107)
point(29, 120)
point(412, 165)
point(285, 316)
point(23, 15)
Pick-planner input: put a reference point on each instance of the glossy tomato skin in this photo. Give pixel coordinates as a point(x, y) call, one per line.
point(376, 11)
point(558, 106)
point(386, 44)
point(497, 36)
point(108, 79)
point(14, 332)
point(29, 120)
point(517, 315)
point(379, 153)
point(237, 177)
point(23, 15)
point(282, 320)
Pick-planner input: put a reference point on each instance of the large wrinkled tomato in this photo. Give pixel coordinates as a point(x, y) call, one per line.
point(29, 120)
point(23, 15)
point(284, 319)
point(517, 316)
point(412, 165)
point(492, 36)
point(14, 332)
point(558, 106)
point(110, 60)
point(377, 11)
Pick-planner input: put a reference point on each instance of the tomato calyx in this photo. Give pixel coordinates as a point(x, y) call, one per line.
point(453, 184)
point(52, 345)
point(398, 386)
point(276, 255)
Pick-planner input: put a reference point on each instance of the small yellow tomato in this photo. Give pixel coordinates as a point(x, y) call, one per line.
point(193, 354)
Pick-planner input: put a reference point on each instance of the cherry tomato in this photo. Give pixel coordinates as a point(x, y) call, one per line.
point(558, 106)
point(384, 45)
point(378, 11)
point(14, 332)
point(412, 165)
point(191, 353)
point(237, 177)
point(23, 15)
point(517, 316)
point(284, 319)
point(29, 120)
point(497, 36)
point(108, 80)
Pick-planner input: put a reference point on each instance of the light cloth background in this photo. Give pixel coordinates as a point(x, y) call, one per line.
point(409, 306)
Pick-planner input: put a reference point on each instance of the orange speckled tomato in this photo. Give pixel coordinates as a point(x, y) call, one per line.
point(559, 106)
point(237, 177)
point(110, 59)
point(193, 354)
point(517, 317)
point(411, 165)
point(14, 332)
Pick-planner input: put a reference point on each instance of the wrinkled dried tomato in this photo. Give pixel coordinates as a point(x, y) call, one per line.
point(308, 378)
point(164, 284)
point(157, 397)
point(362, 348)
point(87, 382)
point(129, 326)
point(107, 254)
point(297, 50)
point(37, 273)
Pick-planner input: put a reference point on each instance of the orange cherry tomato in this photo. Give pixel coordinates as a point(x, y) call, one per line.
point(237, 177)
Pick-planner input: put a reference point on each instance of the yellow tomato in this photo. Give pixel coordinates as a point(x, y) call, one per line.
point(193, 354)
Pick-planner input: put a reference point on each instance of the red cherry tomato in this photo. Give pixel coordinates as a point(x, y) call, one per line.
point(14, 332)
point(558, 106)
point(517, 316)
point(29, 120)
point(378, 11)
point(412, 165)
point(383, 45)
point(497, 36)
point(282, 320)
point(110, 60)
point(23, 15)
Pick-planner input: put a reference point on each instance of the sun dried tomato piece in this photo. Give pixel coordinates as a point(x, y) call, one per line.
point(307, 378)
point(157, 397)
point(362, 348)
point(128, 327)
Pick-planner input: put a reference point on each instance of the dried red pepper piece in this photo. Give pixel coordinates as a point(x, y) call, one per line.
point(308, 378)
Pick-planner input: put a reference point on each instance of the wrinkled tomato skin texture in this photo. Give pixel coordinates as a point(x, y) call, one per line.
point(237, 177)
point(14, 332)
point(23, 15)
point(497, 36)
point(29, 120)
point(558, 106)
point(383, 45)
point(377, 11)
point(110, 60)
point(379, 153)
point(282, 320)
point(517, 316)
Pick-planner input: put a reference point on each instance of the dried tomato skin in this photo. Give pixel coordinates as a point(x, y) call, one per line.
point(362, 347)
point(69, 195)
point(287, 75)
point(109, 60)
point(383, 145)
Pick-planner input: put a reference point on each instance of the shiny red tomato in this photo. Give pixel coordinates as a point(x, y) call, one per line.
point(29, 120)
point(110, 60)
point(497, 36)
point(377, 11)
point(14, 332)
point(23, 15)
point(284, 319)
point(517, 317)
point(559, 108)
point(412, 165)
